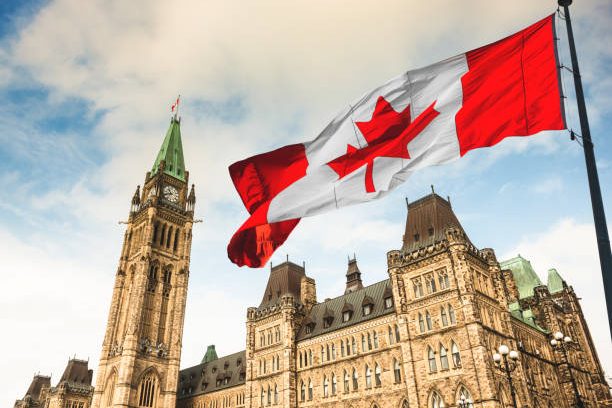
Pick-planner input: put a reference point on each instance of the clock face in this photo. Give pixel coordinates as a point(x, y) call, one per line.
point(171, 194)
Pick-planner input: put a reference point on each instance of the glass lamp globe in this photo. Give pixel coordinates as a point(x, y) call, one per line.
point(513, 355)
point(503, 350)
point(558, 335)
point(497, 357)
point(567, 339)
point(554, 342)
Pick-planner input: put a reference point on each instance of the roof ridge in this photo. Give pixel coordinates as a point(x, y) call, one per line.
point(352, 293)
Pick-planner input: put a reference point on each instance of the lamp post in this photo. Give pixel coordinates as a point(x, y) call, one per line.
point(561, 343)
point(463, 402)
point(506, 361)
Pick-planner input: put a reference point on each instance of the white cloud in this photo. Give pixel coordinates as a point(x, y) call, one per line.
point(570, 247)
point(548, 185)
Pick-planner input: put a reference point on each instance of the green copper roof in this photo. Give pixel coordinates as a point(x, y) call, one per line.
point(171, 152)
point(526, 316)
point(210, 355)
point(524, 276)
point(555, 281)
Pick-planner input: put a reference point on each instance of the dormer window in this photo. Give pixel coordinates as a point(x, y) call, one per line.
point(327, 322)
point(367, 310)
point(416, 237)
point(367, 306)
point(388, 302)
point(346, 316)
point(310, 327)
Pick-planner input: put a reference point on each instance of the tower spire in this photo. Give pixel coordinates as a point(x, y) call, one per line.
point(171, 151)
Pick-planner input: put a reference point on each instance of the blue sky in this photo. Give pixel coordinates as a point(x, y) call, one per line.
point(85, 91)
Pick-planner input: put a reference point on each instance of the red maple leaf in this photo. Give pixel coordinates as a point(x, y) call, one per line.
point(388, 134)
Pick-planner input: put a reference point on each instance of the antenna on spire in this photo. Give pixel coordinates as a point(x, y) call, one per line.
point(432, 189)
point(407, 202)
point(175, 107)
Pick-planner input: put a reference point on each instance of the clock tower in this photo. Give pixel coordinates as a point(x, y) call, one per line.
point(139, 363)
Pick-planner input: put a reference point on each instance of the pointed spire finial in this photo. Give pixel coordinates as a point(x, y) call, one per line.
point(432, 189)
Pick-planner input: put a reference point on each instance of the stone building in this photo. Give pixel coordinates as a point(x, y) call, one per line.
point(73, 390)
point(423, 337)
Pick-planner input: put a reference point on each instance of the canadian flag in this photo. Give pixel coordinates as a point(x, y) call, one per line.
point(423, 117)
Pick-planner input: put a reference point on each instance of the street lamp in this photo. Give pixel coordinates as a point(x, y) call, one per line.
point(506, 361)
point(463, 402)
point(561, 343)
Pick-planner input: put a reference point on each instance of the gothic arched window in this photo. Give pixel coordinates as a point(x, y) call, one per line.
point(428, 321)
point(109, 391)
point(421, 323)
point(368, 376)
point(334, 384)
point(451, 314)
point(147, 391)
point(377, 373)
point(355, 380)
point(346, 381)
point(309, 390)
point(325, 386)
point(302, 391)
point(464, 395)
point(436, 401)
point(443, 316)
point(431, 357)
point(390, 332)
point(275, 394)
point(443, 358)
point(455, 355)
point(397, 372)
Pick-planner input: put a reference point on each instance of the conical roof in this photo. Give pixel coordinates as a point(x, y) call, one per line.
point(211, 354)
point(524, 276)
point(171, 152)
point(427, 220)
point(555, 282)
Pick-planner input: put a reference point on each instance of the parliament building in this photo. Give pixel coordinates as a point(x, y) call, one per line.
point(451, 326)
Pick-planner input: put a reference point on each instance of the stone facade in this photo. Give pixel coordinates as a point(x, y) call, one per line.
point(423, 337)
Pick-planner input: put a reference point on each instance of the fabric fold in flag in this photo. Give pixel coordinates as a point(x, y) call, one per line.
point(428, 116)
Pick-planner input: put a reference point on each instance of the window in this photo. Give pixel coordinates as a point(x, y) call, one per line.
point(109, 391)
point(377, 375)
point(367, 310)
point(325, 386)
point(341, 348)
point(464, 395)
point(455, 355)
point(421, 323)
point(431, 284)
point(346, 381)
point(309, 390)
point(443, 316)
point(302, 391)
point(333, 351)
point(428, 320)
point(391, 337)
point(375, 336)
point(443, 279)
point(363, 343)
point(355, 380)
point(327, 354)
point(397, 333)
point(148, 391)
point(353, 345)
point(397, 373)
point(368, 376)
point(269, 395)
point(263, 396)
point(327, 322)
point(443, 358)
point(417, 286)
point(435, 401)
point(275, 394)
point(451, 314)
point(388, 302)
point(369, 341)
point(431, 356)
point(334, 384)
point(346, 316)
point(309, 357)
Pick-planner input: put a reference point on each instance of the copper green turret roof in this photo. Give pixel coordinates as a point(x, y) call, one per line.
point(171, 152)
point(211, 354)
point(524, 276)
point(555, 282)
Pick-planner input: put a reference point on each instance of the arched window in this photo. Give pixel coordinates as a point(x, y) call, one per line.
point(421, 324)
point(333, 350)
point(451, 314)
point(369, 341)
point(263, 396)
point(391, 338)
point(176, 240)
point(455, 354)
point(147, 390)
point(309, 390)
point(275, 394)
point(368, 376)
point(300, 360)
point(375, 336)
point(162, 236)
point(353, 345)
point(342, 348)
point(443, 358)
point(334, 384)
point(355, 380)
point(377, 371)
point(363, 343)
point(465, 396)
point(397, 372)
point(443, 316)
point(325, 386)
point(322, 354)
point(436, 401)
point(302, 391)
point(109, 391)
point(309, 357)
point(428, 320)
point(404, 404)
point(397, 334)
point(431, 357)
point(169, 237)
point(155, 232)
point(346, 381)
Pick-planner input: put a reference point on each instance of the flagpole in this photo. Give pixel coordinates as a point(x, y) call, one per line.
point(599, 216)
